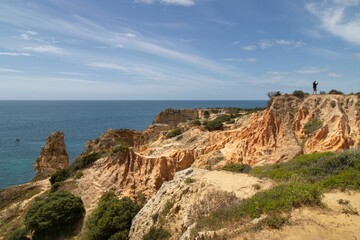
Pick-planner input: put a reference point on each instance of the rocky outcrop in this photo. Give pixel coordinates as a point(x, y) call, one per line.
point(53, 156)
point(191, 195)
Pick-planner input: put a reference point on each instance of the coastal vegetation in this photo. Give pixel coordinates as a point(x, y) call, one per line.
point(174, 132)
point(301, 182)
point(111, 219)
point(54, 213)
point(236, 167)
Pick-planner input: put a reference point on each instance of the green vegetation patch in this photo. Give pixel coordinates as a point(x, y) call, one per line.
point(334, 91)
point(157, 233)
point(213, 125)
point(111, 219)
point(328, 170)
point(236, 167)
point(121, 147)
point(279, 199)
point(58, 211)
point(85, 161)
point(174, 132)
point(312, 126)
point(60, 176)
point(18, 234)
point(17, 194)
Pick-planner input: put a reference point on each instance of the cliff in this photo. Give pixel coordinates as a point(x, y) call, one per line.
point(53, 156)
point(138, 163)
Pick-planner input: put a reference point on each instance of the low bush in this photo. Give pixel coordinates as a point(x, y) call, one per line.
point(196, 122)
point(222, 118)
point(111, 219)
point(60, 176)
point(236, 167)
point(55, 213)
point(84, 161)
point(174, 132)
point(213, 125)
point(312, 126)
point(121, 147)
point(18, 234)
point(298, 94)
point(277, 200)
point(273, 94)
point(334, 91)
point(157, 233)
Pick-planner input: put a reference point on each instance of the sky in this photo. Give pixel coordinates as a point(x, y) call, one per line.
point(176, 49)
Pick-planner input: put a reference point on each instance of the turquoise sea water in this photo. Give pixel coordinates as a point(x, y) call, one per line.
point(33, 121)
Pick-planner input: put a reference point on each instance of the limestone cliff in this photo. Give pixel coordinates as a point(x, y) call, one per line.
point(53, 156)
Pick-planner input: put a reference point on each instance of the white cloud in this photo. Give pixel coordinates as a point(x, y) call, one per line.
point(169, 2)
point(338, 18)
point(9, 70)
point(265, 43)
point(45, 49)
point(333, 75)
point(248, 48)
point(232, 59)
point(251, 60)
point(14, 54)
point(311, 70)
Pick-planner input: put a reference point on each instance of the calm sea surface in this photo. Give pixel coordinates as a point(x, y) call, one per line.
point(33, 121)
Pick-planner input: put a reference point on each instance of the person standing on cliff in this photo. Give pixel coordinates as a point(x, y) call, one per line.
point(315, 87)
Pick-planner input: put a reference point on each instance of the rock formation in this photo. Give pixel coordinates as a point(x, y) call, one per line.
point(53, 156)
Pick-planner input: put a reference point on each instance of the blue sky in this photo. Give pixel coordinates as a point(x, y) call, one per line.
point(176, 49)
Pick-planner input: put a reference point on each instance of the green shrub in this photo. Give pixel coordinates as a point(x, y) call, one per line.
point(55, 187)
point(111, 219)
point(174, 132)
point(84, 161)
point(196, 122)
point(334, 91)
point(18, 234)
point(274, 221)
point(313, 125)
point(223, 118)
point(213, 125)
point(189, 180)
point(157, 233)
point(121, 147)
point(279, 199)
point(273, 94)
point(52, 215)
point(79, 174)
point(298, 94)
point(236, 167)
point(60, 176)
point(206, 114)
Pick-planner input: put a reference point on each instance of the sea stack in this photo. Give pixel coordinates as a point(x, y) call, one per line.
point(53, 156)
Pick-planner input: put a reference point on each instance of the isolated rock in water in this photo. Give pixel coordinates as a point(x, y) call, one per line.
point(53, 156)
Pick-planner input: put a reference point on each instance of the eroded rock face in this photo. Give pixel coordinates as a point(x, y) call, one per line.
point(53, 156)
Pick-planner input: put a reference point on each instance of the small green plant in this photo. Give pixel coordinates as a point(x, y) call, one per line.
point(18, 234)
point(213, 125)
point(174, 132)
point(121, 147)
point(236, 167)
point(256, 186)
point(299, 94)
point(206, 114)
point(157, 233)
point(274, 221)
point(273, 94)
point(312, 126)
point(189, 180)
point(60, 176)
point(167, 207)
point(193, 139)
point(55, 187)
point(333, 104)
point(208, 167)
point(196, 122)
point(79, 174)
point(334, 91)
point(84, 161)
point(51, 215)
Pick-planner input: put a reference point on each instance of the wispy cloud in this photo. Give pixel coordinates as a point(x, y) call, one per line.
point(248, 48)
point(169, 2)
point(45, 49)
point(338, 17)
point(251, 60)
point(267, 43)
point(9, 70)
point(14, 54)
point(311, 70)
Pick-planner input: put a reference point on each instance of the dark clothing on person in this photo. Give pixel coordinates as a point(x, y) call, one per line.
point(315, 87)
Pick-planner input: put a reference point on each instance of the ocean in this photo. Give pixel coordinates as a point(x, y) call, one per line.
point(33, 121)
